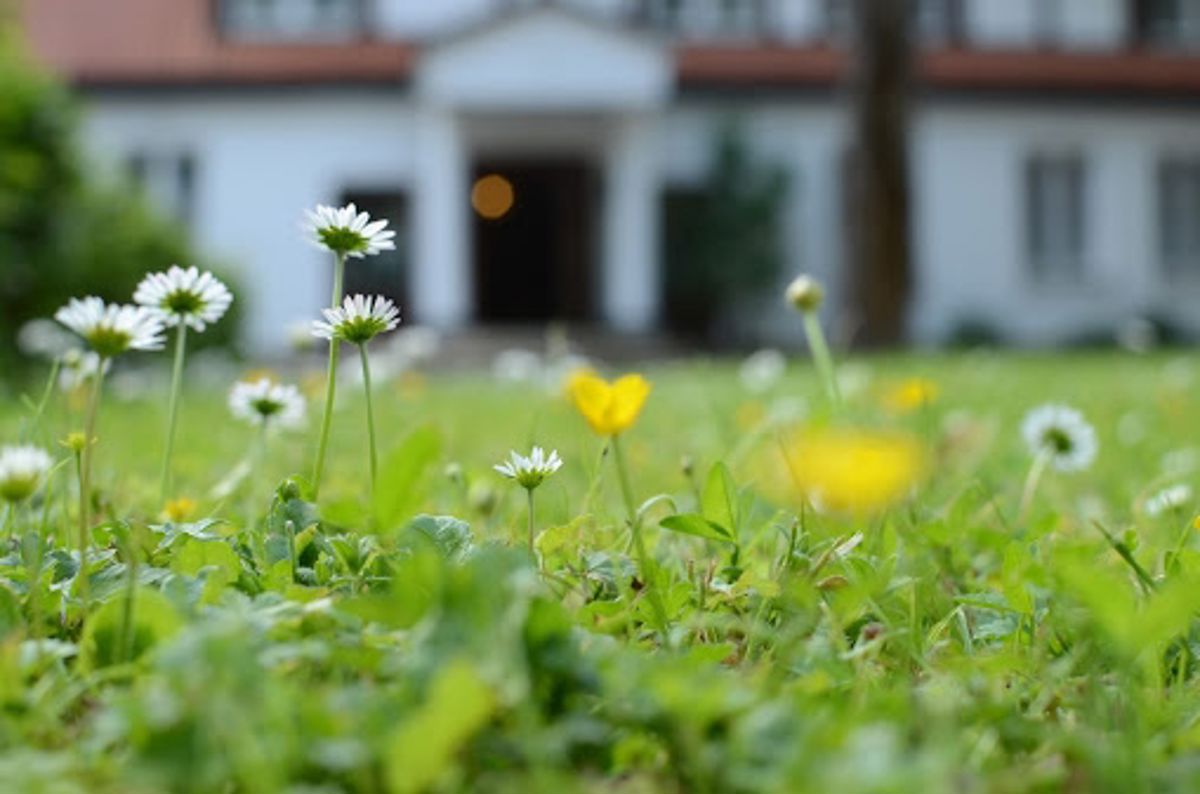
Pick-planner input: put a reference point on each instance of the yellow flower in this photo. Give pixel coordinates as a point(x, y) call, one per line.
point(854, 471)
point(911, 395)
point(179, 510)
point(610, 408)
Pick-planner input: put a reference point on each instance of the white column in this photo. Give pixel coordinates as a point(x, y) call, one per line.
point(442, 286)
point(631, 283)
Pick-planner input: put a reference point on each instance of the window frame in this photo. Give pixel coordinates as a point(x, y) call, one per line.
point(1178, 267)
point(1046, 266)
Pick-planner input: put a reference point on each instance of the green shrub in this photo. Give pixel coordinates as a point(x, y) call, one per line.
point(64, 233)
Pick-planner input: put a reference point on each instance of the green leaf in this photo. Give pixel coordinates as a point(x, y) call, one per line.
point(196, 555)
point(719, 499)
point(451, 536)
point(154, 620)
point(422, 749)
point(697, 525)
point(398, 492)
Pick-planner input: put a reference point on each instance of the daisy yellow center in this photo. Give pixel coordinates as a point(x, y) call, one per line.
point(267, 408)
point(183, 302)
point(17, 489)
point(360, 329)
point(342, 239)
point(1057, 441)
point(108, 341)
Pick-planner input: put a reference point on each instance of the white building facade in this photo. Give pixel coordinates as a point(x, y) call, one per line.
point(1055, 151)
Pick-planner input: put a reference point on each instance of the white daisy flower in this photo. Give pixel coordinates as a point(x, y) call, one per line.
point(265, 403)
point(358, 320)
point(44, 338)
point(1168, 500)
point(530, 472)
point(79, 367)
point(184, 296)
point(348, 232)
point(1061, 433)
point(22, 470)
point(111, 329)
point(762, 370)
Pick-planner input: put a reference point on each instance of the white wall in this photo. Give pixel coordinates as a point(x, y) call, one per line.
point(969, 229)
point(260, 161)
point(805, 138)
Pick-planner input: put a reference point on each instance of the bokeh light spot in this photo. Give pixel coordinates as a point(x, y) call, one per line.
point(492, 196)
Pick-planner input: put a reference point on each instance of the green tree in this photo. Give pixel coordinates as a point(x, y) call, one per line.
point(64, 232)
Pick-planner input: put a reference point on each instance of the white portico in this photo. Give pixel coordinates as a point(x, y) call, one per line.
point(572, 106)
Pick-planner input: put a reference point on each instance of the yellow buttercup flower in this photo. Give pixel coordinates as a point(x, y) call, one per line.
point(179, 510)
point(610, 408)
point(911, 395)
point(854, 471)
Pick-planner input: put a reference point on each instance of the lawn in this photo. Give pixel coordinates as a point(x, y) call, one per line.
point(984, 631)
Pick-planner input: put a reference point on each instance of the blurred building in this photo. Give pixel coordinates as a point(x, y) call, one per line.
point(527, 150)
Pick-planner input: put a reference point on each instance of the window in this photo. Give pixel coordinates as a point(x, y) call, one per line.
point(1179, 216)
point(291, 19)
point(386, 273)
point(707, 19)
point(167, 181)
point(1171, 24)
point(1048, 21)
point(1055, 198)
point(940, 22)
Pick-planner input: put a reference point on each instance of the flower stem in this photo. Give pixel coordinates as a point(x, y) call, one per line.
point(639, 544)
point(173, 408)
point(374, 458)
point(1031, 483)
point(85, 478)
point(35, 420)
point(339, 270)
point(822, 357)
point(529, 495)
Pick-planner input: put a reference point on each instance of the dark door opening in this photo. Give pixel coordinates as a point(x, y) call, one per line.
point(387, 273)
point(533, 241)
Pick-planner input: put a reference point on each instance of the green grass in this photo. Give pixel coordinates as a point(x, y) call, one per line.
point(352, 646)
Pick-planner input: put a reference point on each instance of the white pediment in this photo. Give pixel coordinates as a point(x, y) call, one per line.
point(547, 59)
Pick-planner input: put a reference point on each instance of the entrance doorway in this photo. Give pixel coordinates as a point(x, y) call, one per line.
point(534, 241)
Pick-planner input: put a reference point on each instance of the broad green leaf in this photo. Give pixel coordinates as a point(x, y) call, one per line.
point(423, 748)
point(719, 499)
point(451, 536)
point(697, 525)
point(195, 555)
point(398, 491)
point(154, 620)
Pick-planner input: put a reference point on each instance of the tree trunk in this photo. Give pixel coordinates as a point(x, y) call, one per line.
point(878, 223)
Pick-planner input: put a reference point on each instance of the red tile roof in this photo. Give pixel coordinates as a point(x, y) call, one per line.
point(146, 42)
point(172, 41)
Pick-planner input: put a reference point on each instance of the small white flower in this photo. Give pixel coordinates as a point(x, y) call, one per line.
point(517, 365)
point(265, 403)
point(1168, 500)
point(44, 338)
point(358, 320)
point(111, 329)
point(530, 472)
point(805, 293)
point(184, 296)
point(348, 232)
point(762, 370)
point(22, 470)
point(78, 369)
point(1061, 433)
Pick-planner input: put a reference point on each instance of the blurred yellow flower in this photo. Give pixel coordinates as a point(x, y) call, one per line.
point(911, 395)
point(854, 471)
point(179, 510)
point(610, 408)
